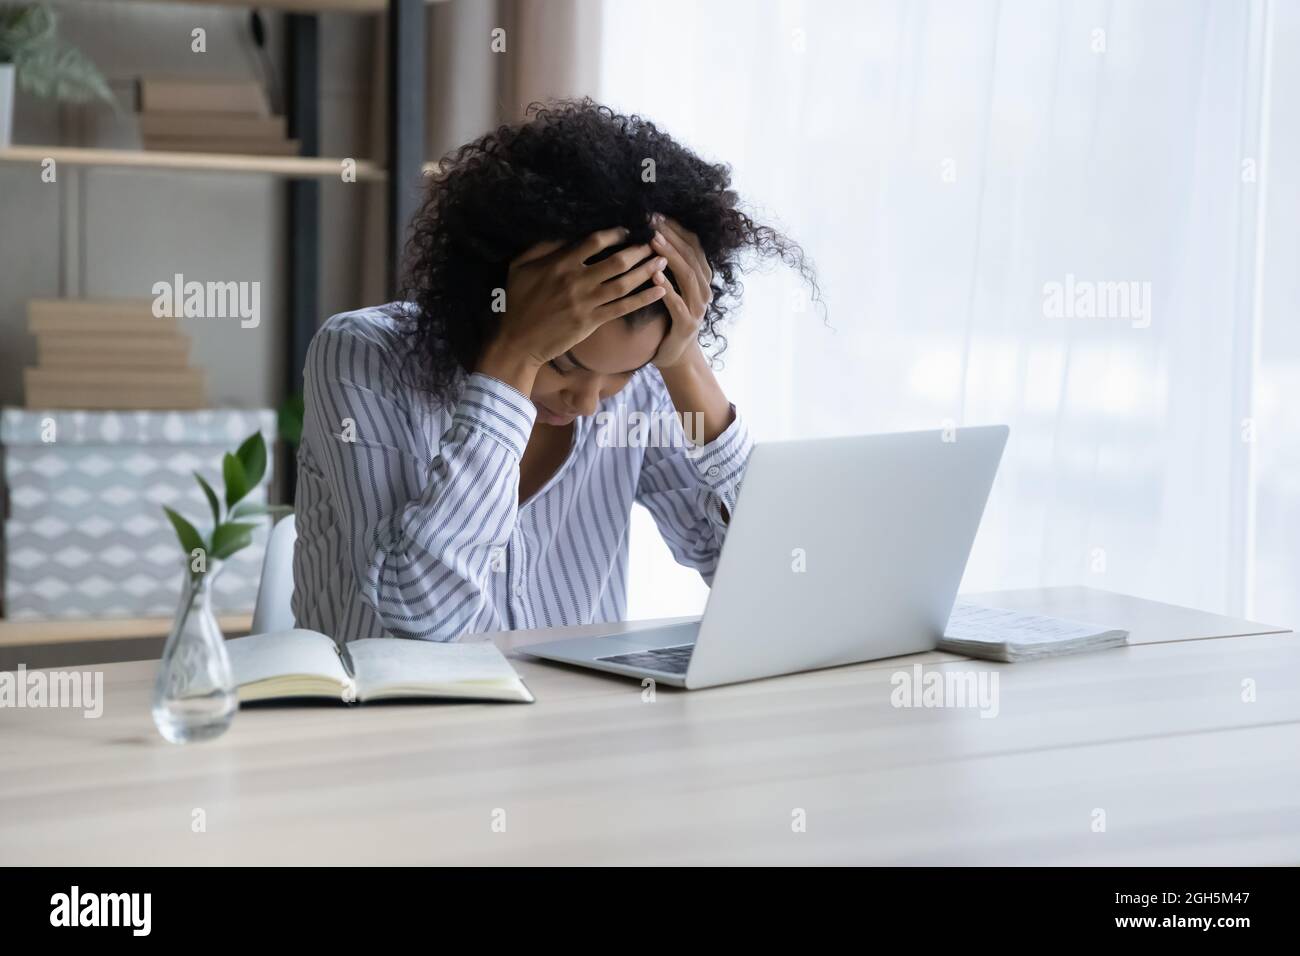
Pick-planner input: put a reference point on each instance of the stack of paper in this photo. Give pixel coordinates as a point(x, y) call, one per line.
point(997, 634)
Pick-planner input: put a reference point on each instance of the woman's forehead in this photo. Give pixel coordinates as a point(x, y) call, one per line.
point(617, 346)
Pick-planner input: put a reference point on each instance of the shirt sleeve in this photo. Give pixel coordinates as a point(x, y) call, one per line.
point(424, 526)
point(686, 487)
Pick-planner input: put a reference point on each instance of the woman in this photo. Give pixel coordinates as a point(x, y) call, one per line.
point(458, 472)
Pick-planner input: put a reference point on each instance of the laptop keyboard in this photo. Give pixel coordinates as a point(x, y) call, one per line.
point(670, 660)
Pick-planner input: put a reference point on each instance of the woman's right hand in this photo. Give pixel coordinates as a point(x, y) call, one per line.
point(554, 300)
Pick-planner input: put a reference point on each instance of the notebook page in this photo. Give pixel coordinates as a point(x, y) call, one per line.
point(265, 656)
point(386, 662)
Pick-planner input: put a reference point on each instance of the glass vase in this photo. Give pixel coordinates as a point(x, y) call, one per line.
point(194, 697)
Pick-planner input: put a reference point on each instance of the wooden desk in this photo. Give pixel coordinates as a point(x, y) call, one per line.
point(1156, 735)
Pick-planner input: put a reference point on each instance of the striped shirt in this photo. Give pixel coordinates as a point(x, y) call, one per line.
point(408, 518)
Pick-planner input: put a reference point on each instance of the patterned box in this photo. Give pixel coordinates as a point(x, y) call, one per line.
point(84, 530)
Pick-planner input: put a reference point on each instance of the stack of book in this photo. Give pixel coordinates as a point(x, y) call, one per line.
point(210, 116)
point(109, 354)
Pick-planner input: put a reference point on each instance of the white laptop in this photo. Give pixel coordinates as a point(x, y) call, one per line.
point(840, 550)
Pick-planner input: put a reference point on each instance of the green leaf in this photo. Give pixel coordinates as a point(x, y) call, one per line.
point(289, 420)
point(25, 27)
point(252, 455)
point(231, 537)
point(249, 509)
point(191, 540)
point(212, 499)
point(44, 65)
point(232, 470)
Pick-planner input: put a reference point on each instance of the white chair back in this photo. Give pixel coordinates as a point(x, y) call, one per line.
point(273, 610)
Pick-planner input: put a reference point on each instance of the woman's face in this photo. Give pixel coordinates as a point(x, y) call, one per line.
point(575, 383)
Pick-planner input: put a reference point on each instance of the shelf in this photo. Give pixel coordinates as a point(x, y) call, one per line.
point(72, 631)
point(293, 167)
point(298, 6)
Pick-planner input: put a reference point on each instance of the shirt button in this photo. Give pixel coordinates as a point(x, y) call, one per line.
point(714, 471)
point(519, 590)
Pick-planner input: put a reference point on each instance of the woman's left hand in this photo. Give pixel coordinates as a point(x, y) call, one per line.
point(690, 267)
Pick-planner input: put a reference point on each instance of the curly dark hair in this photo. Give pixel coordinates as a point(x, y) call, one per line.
point(572, 168)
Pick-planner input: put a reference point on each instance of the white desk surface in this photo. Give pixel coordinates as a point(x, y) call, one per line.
point(1156, 735)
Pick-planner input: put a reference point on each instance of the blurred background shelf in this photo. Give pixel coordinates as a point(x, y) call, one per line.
point(376, 64)
point(29, 633)
point(295, 6)
point(294, 167)
point(85, 643)
point(394, 159)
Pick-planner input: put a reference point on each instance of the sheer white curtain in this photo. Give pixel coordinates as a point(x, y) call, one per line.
point(991, 191)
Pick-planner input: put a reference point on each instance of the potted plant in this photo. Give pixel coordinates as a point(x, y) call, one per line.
point(34, 60)
point(195, 694)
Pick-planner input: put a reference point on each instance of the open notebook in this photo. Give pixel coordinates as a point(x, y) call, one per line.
point(307, 664)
